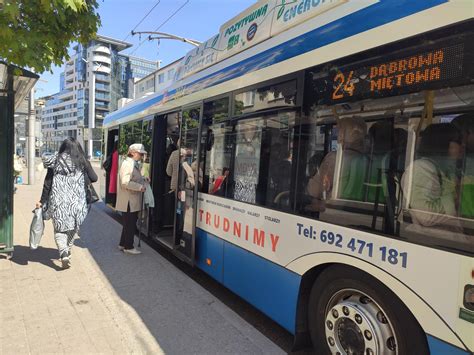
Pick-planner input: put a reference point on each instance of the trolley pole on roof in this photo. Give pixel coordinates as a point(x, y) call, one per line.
point(164, 35)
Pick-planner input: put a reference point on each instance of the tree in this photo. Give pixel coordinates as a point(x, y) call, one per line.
point(37, 33)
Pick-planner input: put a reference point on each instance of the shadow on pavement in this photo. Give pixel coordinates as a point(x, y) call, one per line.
point(180, 315)
point(23, 255)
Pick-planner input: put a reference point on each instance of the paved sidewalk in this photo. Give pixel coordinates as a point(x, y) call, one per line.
point(109, 302)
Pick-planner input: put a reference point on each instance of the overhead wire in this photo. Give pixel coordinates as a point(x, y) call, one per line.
point(143, 19)
point(161, 25)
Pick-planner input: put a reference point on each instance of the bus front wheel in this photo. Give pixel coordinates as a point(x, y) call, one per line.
point(351, 312)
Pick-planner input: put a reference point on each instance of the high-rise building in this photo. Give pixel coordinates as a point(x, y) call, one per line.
point(95, 77)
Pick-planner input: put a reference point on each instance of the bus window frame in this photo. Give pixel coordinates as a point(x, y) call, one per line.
point(233, 121)
point(299, 78)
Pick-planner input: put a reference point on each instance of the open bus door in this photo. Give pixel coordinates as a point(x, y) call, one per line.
point(173, 180)
point(111, 144)
point(165, 138)
point(189, 178)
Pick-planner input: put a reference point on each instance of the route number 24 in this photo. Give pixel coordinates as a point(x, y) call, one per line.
point(343, 85)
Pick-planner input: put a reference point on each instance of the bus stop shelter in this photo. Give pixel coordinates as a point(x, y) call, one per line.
point(15, 85)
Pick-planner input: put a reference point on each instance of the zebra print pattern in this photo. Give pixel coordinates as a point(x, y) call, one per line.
point(67, 200)
point(64, 242)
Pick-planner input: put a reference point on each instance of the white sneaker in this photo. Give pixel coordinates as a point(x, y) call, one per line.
point(121, 248)
point(132, 251)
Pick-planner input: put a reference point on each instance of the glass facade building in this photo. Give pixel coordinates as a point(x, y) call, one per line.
point(95, 77)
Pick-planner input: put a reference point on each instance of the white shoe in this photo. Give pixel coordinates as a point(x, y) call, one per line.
point(121, 248)
point(132, 251)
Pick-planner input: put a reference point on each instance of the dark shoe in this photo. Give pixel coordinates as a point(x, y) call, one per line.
point(66, 262)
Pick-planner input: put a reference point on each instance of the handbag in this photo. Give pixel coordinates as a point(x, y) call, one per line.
point(91, 194)
point(107, 165)
point(36, 228)
point(46, 211)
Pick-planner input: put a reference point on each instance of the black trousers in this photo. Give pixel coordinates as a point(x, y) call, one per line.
point(129, 228)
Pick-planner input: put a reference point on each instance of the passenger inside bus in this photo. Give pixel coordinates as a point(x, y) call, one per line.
point(465, 123)
point(220, 184)
point(379, 159)
point(393, 167)
point(247, 161)
point(431, 183)
point(172, 168)
point(350, 139)
point(184, 186)
point(279, 176)
point(354, 159)
point(194, 165)
point(113, 173)
point(394, 158)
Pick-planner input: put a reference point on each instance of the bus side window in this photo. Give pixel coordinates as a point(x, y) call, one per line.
point(218, 153)
point(437, 184)
point(465, 123)
point(350, 171)
point(315, 173)
point(251, 160)
point(380, 150)
point(354, 162)
point(264, 162)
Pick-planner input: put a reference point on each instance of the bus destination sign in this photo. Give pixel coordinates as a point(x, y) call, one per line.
point(418, 71)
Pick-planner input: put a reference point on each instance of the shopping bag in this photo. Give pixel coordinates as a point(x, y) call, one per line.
point(148, 196)
point(36, 228)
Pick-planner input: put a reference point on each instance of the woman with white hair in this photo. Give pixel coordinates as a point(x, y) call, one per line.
point(131, 186)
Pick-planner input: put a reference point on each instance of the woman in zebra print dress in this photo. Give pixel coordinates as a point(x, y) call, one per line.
point(67, 202)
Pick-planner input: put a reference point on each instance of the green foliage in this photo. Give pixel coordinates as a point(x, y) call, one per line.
point(130, 133)
point(37, 33)
point(191, 118)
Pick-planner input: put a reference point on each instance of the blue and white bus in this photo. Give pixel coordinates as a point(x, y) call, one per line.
point(317, 159)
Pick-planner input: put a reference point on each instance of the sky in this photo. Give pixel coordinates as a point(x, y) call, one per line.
point(198, 19)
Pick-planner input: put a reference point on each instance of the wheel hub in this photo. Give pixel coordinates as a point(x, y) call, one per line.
point(356, 325)
point(350, 336)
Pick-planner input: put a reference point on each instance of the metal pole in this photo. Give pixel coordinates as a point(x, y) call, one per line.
point(91, 112)
point(31, 138)
point(140, 222)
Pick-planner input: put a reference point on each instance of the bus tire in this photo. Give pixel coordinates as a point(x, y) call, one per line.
point(352, 312)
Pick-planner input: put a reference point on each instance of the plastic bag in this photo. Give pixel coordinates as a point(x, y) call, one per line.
point(148, 196)
point(36, 228)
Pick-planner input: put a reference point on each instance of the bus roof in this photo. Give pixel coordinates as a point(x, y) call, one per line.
point(309, 28)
